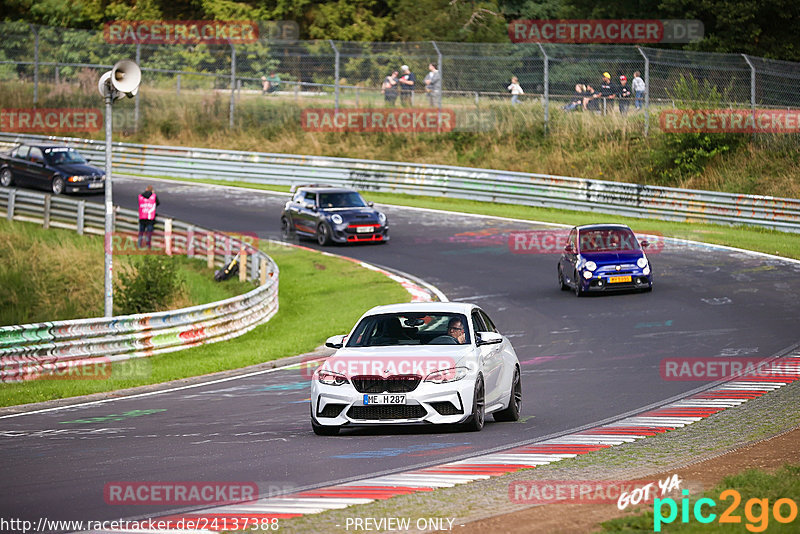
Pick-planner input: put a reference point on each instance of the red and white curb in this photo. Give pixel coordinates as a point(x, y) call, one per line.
point(783, 371)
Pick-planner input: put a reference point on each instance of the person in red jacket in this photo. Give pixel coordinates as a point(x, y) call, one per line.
point(148, 202)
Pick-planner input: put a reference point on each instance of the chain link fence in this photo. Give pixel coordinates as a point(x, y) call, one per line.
point(349, 74)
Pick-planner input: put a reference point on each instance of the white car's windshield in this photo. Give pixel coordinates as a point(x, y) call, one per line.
point(411, 329)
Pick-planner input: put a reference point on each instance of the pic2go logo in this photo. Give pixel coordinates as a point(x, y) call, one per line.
point(756, 511)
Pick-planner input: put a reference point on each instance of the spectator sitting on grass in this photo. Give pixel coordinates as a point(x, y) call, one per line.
point(271, 83)
point(577, 100)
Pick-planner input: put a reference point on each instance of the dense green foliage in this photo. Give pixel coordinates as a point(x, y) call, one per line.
point(150, 285)
point(764, 28)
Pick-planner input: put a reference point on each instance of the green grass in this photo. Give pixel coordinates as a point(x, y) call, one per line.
point(752, 484)
point(38, 265)
point(320, 296)
point(746, 237)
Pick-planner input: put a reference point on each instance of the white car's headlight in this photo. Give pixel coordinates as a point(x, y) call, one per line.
point(336, 218)
point(590, 265)
point(381, 218)
point(331, 379)
point(642, 262)
point(447, 375)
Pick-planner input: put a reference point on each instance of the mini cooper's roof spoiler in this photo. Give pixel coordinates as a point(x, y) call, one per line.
point(295, 187)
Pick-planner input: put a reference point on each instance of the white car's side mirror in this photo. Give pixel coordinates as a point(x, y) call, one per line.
point(335, 342)
point(488, 338)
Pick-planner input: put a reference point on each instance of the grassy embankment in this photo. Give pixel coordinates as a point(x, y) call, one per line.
point(578, 144)
point(314, 304)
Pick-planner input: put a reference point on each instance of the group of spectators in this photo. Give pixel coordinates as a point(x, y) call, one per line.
point(403, 83)
point(588, 98)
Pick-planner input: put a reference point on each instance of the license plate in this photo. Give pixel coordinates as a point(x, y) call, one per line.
point(364, 229)
point(95, 185)
point(617, 279)
point(384, 399)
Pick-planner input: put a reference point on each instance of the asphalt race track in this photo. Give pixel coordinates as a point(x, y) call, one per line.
point(583, 360)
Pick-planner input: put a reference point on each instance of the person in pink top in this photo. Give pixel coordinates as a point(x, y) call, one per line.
point(148, 202)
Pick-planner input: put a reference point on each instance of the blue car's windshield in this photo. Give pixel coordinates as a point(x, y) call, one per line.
point(341, 200)
point(607, 240)
point(58, 156)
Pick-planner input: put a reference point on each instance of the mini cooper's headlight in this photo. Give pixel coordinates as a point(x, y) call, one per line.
point(381, 218)
point(590, 265)
point(331, 379)
point(447, 375)
point(336, 218)
point(646, 270)
point(642, 262)
point(587, 274)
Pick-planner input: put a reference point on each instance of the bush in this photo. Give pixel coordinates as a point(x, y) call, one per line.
point(149, 285)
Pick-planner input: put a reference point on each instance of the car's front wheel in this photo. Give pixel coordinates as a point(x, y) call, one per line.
point(578, 286)
point(514, 404)
point(286, 229)
point(57, 185)
point(323, 234)
point(478, 417)
point(322, 430)
point(6, 178)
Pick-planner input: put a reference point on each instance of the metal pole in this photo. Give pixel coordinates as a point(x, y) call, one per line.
point(752, 82)
point(233, 85)
point(546, 87)
point(441, 87)
point(136, 98)
point(109, 212)
point(646, 91)
point(35, 64)
point(335, 76)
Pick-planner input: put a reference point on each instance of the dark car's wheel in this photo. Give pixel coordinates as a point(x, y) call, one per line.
point(578, 286)
point(323, 234)
point(6, 178)
point(514, 404)
point(57, 185)
point(478, 417)
point(322, 430)
point(287, 232)
point(561, 284)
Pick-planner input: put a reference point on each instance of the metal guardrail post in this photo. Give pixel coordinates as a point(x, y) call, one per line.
point(210, 249)
point(242, 264)
point(12, 200)
point(178, 85)
point(546, 66)
point(233, 85)
point(80, 221)
point(752, 83)
point(335, 75)
point(263, 273)
point(190, 241)
point(646, 91)
point(168, 237)
point(46, 221)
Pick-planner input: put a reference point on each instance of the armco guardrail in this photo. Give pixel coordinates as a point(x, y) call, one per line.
point(54, 348)
point(542, 190)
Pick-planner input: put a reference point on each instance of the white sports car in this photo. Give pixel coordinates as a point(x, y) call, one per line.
point(432, 362)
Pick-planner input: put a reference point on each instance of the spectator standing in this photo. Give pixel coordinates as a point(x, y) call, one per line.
point(389, 89)
point(638, 89)
point(433, 85)
point(516, 90)
point(148, 202)
point(406, 81)
point(623, 94)
point(591, 99)
point(606, 90)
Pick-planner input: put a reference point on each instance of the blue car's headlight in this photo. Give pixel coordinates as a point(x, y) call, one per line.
point(642, 262)
point(336, 218)
point(590, 266)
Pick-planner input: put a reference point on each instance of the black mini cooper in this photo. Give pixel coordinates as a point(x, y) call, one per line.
point(332, 214)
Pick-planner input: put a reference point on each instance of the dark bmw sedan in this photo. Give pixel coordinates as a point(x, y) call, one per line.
point(604, 257)
point(57, 168)
point(333, 214)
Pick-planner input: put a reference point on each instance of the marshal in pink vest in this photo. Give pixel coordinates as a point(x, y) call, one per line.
point(147, 207)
